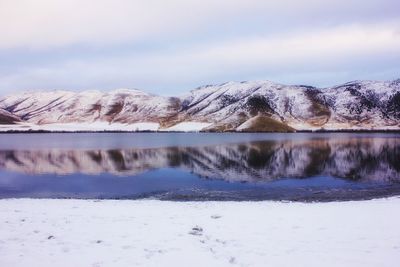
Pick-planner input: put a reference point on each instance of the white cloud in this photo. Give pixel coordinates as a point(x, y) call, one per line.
point(54, 23)
point(341, 50)
point(178, 44)
point(328, 45)
point(47, 23)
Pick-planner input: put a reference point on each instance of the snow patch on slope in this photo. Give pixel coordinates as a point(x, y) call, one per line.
point(189, 126)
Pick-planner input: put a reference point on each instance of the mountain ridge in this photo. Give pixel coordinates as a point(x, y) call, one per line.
point(233, 106)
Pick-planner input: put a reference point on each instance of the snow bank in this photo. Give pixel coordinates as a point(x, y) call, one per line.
point(105, 126)
point(190, 126)
point(94, 126)
point(156, 233)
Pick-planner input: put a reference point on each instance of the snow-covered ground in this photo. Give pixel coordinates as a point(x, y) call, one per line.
point(99, 126)
point(72, 127)
point(189, 126)
point(156, 233)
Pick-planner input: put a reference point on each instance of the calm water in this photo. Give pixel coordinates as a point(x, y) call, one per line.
point(188, 166)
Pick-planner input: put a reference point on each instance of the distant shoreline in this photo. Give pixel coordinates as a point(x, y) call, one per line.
point(200, 132)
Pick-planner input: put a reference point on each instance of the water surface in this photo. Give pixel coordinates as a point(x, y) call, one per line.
point(202, 166)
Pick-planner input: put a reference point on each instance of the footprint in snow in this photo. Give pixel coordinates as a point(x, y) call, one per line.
point(197, 230)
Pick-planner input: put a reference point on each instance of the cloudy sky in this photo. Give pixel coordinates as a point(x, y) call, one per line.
point(170, 47)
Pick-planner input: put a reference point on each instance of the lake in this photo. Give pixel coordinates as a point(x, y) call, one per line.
point(200, 166)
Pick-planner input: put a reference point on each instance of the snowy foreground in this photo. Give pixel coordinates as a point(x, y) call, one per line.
point(156, 233)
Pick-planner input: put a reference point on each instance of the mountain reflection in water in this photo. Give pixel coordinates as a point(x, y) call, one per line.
point(356, 159)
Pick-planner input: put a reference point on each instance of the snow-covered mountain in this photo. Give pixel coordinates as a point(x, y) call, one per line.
point(268, 106)
point(233, 106)
point(119, 106)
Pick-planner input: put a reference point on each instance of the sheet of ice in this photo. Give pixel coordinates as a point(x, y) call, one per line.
point(155, 233)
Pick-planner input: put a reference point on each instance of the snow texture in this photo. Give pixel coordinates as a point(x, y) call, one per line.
point(154, 233)
point(189, 126)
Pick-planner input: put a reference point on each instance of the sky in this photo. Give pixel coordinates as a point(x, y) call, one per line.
point(170, 47)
